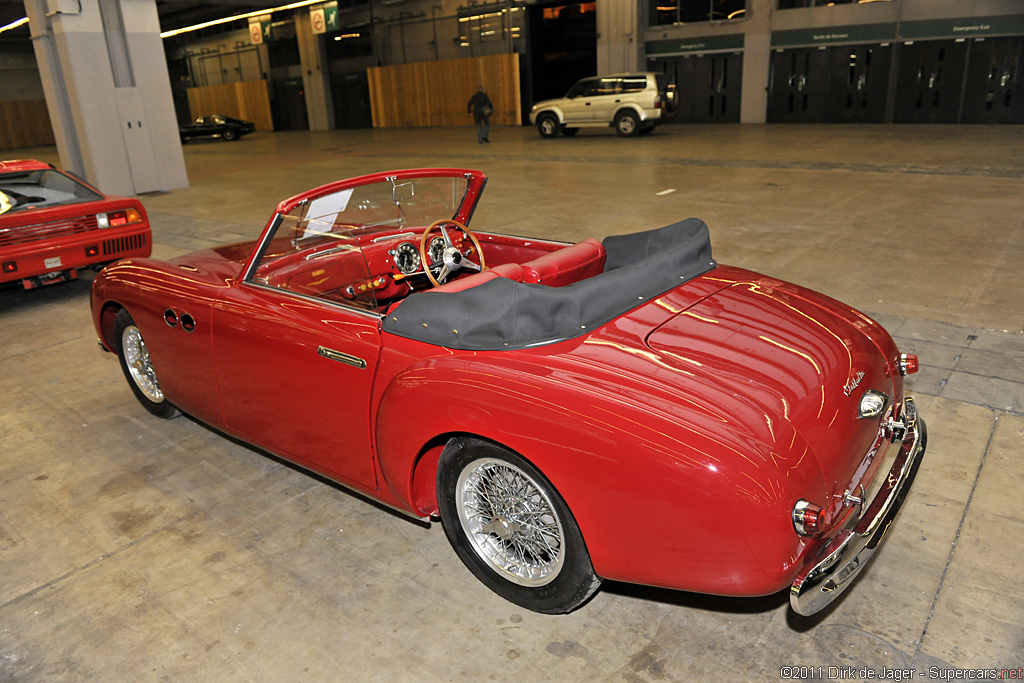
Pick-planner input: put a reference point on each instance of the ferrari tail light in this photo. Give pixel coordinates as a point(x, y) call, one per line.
point(92, 250)
point(10, 267)
point(908, 364)
point(808, 518)
point(114, 219)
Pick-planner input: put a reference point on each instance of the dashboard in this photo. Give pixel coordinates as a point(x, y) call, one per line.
point(407, 255)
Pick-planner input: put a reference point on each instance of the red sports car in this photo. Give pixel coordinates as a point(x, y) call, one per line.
point(627, 409)
point(52, 223)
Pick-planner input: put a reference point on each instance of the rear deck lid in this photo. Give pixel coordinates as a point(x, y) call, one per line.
point(794, 360)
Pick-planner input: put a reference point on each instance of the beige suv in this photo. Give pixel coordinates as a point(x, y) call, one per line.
point(632, 103)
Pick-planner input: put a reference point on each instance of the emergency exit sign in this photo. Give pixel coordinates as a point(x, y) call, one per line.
point(324, 18)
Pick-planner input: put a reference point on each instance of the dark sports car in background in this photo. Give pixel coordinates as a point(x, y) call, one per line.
point(52, 223)
point(216, 126)
point(625, 409)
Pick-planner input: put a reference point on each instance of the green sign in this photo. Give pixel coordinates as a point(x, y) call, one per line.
point(677, 46)
point(331, 16)
point(864, 33)
point(963, 28)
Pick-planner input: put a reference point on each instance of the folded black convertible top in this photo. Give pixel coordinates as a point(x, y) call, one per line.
point(503, 314)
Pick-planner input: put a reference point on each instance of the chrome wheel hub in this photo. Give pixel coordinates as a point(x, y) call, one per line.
point(510, 522)
point(136, 357)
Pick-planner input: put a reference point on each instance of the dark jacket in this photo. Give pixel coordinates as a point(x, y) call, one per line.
point(476, 105)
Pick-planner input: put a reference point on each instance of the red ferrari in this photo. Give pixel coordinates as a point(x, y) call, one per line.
point(52, 223)
point(625, 409)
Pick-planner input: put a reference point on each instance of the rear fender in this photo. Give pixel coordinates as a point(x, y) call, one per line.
point(655, 488)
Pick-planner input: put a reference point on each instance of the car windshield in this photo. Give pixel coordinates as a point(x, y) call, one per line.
point(382, 206)
point(41, 189)
point(316, 248)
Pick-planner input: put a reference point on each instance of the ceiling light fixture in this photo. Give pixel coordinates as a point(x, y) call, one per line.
point(14, 24)
point(227, 20)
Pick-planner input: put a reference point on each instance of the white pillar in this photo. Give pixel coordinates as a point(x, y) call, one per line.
point(108, 92)
point(620, 44)
point(757, 58)
point(316, 79)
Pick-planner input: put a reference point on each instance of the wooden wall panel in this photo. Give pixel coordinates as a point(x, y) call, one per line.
point(247, 100)
point(25, 123)
point(436, 93)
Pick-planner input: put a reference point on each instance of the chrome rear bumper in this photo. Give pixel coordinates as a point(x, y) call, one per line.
point(839, 561)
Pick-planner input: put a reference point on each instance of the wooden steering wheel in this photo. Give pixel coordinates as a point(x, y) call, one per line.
point(453, 260)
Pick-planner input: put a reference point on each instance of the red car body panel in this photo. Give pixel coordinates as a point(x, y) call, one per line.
point(43, 240)
point(680, 434)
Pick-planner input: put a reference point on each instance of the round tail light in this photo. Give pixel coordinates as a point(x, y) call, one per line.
point(808, 518)
point(908, 364)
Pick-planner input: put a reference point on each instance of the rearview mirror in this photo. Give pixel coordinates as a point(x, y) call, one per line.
point(401, 192)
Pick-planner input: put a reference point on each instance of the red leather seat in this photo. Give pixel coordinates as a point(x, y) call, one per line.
point(565, 266)
point(512, 271)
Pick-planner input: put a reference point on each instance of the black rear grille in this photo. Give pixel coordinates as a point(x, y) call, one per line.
point(123, 244)
point(38, 232)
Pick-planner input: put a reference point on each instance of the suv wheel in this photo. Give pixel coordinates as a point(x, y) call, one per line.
point(548, 126)
point(627, 123)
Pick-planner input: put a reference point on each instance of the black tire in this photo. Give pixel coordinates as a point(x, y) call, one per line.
point(569, 132)
point(229, 134)
point(548, 126)
point(627, 123)
point(544, 566)
point(137, 368)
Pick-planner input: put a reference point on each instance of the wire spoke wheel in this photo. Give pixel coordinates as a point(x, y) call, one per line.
point(139, 366)
point(511, 528)
point(510, 522)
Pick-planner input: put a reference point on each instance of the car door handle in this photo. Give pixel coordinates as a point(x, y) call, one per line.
point(587, 103)
point(346, 358)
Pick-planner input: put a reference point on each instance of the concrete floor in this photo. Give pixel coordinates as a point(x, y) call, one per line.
point(133, 548)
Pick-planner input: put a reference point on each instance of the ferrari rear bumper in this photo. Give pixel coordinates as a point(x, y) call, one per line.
point(838, 562)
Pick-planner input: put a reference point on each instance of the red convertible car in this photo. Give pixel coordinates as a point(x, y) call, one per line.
point(625, 409)
point(52, 223)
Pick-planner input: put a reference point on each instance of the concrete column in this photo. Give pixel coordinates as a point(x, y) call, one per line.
point(619, 36)
point(316, 79)
point(757, 57)
point(108, 92)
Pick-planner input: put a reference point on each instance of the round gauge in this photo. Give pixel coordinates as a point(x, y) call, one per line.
point(407, 258)
point(436, 249)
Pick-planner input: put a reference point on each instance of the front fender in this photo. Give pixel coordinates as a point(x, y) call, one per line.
point(666, 490)
point(147, 288)
point(547, 110)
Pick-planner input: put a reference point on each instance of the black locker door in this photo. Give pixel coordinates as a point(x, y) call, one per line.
point(859, 83)
point(351, 95)
point(681, 71)
point(798, 86)
point(993, 93)
point(930, 81)
point(717, 88)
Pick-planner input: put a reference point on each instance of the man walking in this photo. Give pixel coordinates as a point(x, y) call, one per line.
point(481, 108)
